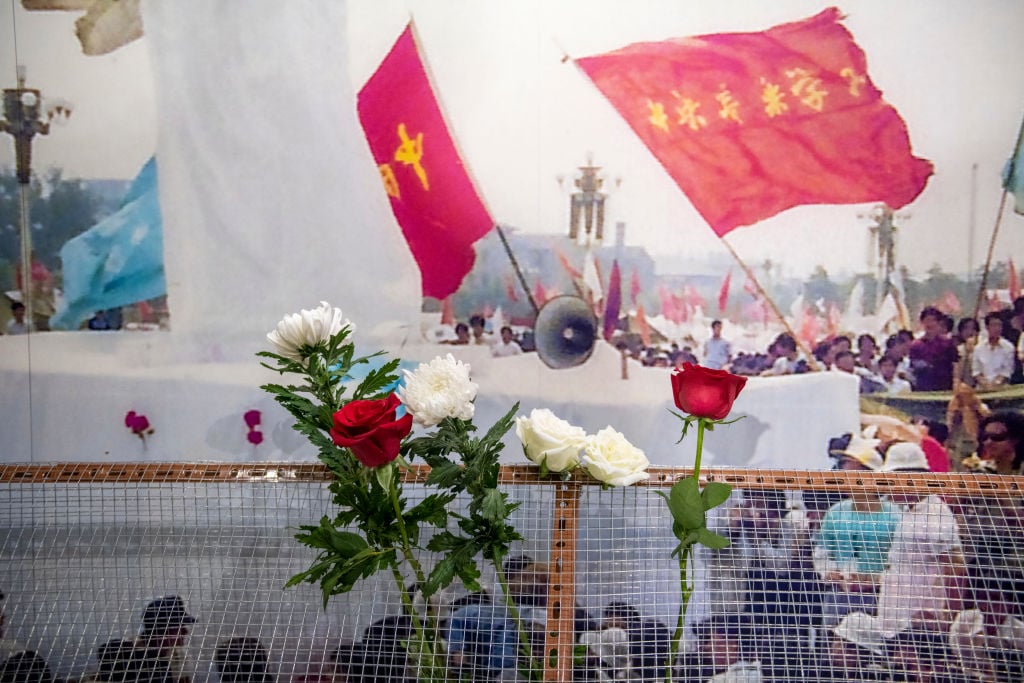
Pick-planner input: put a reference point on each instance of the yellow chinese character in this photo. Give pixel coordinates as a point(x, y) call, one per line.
point(730, 109)
point(854, 79)
point(410, 152)
point(773, 98)
point(807, 88)
point(658, 117)
point(687, 112)
point(387, 175)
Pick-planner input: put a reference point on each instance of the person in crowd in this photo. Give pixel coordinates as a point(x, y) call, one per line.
point(933, 355)
point(17, 324)
point(867, 353)
point(607, 657)
point(477, 326)
point(507, 345)
point(966, 339)
point(788, 360)
point(461, 335)
point(721, 655)
point(992, 359)
point(891, 383)
point(165, 628)
point(99, 321)
point(855, 651)
point(124, 661)
point(242, 660)
point(852, 544)
point(649, 639)
point(717, 350)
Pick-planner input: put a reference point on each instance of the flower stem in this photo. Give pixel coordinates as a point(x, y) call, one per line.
point(685, 590)
point(426, 640)
point(685, 587)
point(534, 673)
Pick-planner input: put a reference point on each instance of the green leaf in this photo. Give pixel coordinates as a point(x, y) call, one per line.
point(444, 474)
point(710, 539)
point(493, 505)
point(686, 504)
point(385, 475)
point(347, 544)
point(715, 493)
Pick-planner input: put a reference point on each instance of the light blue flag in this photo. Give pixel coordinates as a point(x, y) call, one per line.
point(118, 261)
point(1013, 173)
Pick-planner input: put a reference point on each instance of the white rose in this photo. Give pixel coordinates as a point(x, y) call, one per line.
point(439, 389)
point(613, 460)
point(307, 328)
point(550, 439)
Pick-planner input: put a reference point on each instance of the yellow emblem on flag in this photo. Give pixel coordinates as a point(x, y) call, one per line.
point(387, 176)
point(854, 80)
point(730, 107)
point(807, 88)
point(773, 98)
point(410, 152)
point(658, 117)
point(687, 113)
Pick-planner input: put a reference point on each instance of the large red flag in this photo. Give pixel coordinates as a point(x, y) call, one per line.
point(432, 196)
point(613, 301)
point(751, 124)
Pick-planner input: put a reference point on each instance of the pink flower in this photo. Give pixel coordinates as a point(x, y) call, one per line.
point(252, 418)
point(255, 437)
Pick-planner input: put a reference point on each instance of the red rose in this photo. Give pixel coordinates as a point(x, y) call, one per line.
point(703, 392)
point(369, 429)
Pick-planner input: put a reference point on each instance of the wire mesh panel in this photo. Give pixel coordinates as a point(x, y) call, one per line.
point(829, 577)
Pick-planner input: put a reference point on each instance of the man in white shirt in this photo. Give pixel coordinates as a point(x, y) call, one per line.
point(507, 346)
point(892, 383)
point(717, 351)
point(992, 361)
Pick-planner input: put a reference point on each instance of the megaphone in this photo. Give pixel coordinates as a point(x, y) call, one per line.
point(565, 332)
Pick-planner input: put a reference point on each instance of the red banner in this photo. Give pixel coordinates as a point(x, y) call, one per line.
point(751, 124)
point(432, 196)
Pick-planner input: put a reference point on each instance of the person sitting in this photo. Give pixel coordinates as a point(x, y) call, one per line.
point(507, 346)
point(891, 383)
point(992, 360)
point(17, 324)
point(649, 639)
point(242, 660)
point(165, 629)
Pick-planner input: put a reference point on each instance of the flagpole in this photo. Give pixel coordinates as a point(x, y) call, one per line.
point(811, 361)
point(515, 267)
point(999, 220)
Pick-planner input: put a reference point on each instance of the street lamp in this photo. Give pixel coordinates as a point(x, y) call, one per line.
point(24, 118)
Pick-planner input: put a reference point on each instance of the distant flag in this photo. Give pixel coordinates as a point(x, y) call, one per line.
point(634, 287)
point(592, 279)
point(118, 261)
point(751, 124)
point(1013, 173)
point(613, 301)
point(834, 317)
point(540, 295)
point(723, 292)
point(855, 302)
point(900, 297)
point(642, 327)
point(669, 305)
point(431, 193)
point(1014, 283)
point(447, 311)
point(510, 289)
point(572, 271)
point(497, 319)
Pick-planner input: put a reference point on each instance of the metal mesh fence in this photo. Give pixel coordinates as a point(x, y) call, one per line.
point(830, 577)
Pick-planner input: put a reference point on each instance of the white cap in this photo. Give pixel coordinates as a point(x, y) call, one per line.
point(905, 456)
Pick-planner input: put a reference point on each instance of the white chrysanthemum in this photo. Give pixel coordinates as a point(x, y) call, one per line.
point(307, 328)
point(550, 440)
point(439, 389)
point(613, 460)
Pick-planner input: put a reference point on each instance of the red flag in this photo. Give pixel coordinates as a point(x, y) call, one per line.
point(642, 327)
point(723, 293)
point(447, 311)
point(669, 306)
point(950, 302)
point(1014, 283)
point(634, 287)
point(564, 260)
point(613, 301)
point(540, 295)
point(751, 124)
point(432, 196)
point(510, 289)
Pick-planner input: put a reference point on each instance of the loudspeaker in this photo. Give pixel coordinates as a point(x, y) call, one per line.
point(565, 332)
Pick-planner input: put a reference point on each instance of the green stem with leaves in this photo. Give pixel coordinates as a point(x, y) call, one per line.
point(426, 640)
point(685, 557)
point(534, 672)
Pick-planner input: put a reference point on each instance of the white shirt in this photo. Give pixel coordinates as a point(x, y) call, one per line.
point(990, 362)
point(502, 350)
point(896, 386)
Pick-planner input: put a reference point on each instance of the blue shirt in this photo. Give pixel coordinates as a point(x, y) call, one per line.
point(861, 539)
point(485, 635)
point(717, 353)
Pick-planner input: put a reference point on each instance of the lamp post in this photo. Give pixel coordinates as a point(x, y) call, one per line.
point(24, 118)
